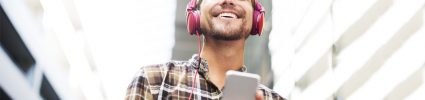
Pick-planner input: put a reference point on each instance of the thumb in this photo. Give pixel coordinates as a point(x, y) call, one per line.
point(259, 95)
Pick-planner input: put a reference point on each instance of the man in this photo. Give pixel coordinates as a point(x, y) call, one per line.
point(225, 24)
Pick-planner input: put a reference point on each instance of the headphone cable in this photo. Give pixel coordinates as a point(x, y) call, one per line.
point(199, 64)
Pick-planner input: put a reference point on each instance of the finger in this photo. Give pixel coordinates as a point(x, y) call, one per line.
point(259, 95)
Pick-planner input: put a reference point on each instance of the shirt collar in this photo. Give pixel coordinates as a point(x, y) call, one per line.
point(204, 65)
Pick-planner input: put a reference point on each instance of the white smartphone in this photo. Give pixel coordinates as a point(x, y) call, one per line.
point(240, 86)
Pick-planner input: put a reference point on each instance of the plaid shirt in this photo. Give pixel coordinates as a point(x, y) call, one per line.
point(173, 80)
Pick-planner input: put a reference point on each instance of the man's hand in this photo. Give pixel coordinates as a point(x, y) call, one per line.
point(259, 95)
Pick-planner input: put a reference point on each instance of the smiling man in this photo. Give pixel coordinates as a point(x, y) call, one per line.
point(225, 25)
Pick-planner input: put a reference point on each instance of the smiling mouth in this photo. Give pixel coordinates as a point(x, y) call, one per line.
point(227, 15)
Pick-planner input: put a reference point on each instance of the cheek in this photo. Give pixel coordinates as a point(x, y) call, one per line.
point(204, 20)
point(249, 13)
point(249, 19)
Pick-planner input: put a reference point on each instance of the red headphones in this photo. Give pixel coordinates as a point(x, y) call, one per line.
point(193, 18)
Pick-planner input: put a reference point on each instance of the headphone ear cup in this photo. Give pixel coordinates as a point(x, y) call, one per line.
point(257, 23)
point(192, 22)
point(258, 19)
point(260, 23)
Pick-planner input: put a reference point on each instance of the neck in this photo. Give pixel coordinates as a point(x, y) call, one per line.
point(221, 57)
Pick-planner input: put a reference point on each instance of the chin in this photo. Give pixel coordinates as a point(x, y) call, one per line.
point(228, 27)
point(227, 32)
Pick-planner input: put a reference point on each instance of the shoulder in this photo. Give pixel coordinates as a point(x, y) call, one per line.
point(155, 73)
point(269, 94)
point(164, 67)
point(148, 79)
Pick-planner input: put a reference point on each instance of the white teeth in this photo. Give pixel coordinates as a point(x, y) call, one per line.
point(228, 15)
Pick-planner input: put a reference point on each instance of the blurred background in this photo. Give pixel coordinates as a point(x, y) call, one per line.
point(311, 49)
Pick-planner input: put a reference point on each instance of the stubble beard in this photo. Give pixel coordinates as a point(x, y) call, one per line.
point(226, 30)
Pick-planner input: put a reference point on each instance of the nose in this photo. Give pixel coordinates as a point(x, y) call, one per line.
point(227, 3)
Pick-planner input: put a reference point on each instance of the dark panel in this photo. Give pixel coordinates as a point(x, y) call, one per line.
point(3, 95)
point(13, 44)
point(46, 91)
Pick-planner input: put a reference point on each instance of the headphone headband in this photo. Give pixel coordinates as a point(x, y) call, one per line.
point(191, 5)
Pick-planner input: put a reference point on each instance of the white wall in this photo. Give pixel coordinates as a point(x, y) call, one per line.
point(348, 49)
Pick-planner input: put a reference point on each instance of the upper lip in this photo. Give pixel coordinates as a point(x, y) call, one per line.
point(216, 13)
